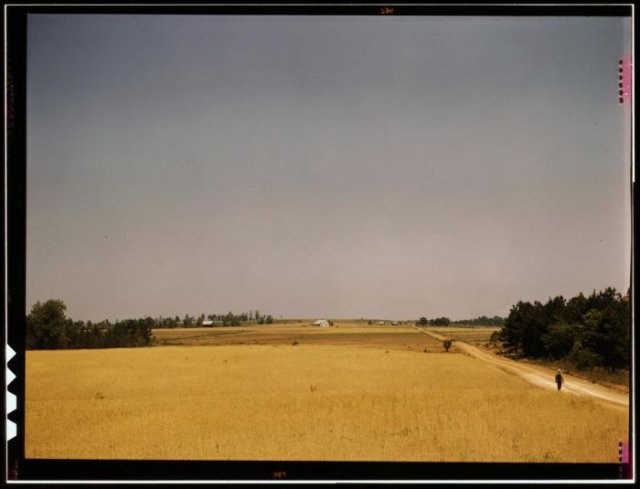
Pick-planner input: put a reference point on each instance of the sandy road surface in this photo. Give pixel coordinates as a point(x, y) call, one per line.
point(541, 376)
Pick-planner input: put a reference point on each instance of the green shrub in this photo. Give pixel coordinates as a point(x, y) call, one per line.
point(583, 357)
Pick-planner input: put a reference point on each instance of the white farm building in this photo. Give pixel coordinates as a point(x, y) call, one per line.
point(323, 323)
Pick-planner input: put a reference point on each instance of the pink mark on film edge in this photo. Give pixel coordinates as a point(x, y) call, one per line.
point(623, 460)
point(627, 72)
point(625, 452)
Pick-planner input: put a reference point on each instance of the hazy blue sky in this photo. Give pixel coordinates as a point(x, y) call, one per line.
point(324, 166)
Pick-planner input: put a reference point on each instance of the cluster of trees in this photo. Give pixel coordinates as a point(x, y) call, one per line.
point(443, 321)
point(482, 321)
point(48, 328)
point(591, 331)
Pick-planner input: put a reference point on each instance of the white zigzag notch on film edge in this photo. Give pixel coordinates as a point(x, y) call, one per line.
point(11, 398)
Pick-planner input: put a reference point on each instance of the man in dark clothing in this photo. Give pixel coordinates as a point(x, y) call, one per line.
point(559, 379)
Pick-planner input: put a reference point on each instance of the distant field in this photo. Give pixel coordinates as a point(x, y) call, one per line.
point(389, 337)
point(306, 402)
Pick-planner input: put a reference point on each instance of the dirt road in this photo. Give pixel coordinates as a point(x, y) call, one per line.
point(541, 376)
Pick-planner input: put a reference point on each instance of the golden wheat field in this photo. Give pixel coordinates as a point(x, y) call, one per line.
point(302, 402)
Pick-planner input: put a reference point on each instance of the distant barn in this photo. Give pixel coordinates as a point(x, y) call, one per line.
point(207, 322)
point(323, 323)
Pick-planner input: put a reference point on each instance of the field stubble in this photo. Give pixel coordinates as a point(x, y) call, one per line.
point(305, 402)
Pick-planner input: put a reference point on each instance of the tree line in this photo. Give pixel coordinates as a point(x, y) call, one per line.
point(481, 321)
point(48, 328)
point(228, 319)
point(442, 321)
point(445, 321)
point(591, 331)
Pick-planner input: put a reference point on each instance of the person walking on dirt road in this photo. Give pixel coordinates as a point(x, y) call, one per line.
point(559, 379)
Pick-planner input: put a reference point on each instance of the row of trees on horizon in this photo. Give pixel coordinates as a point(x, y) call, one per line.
point(228, 319)
point(482, 321)
point(48, 328)
point(588, 331)
point(445, 321)
point(441, 321)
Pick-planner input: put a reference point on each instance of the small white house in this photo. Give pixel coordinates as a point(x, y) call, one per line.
point(207, 322)
point(323, 323)
point(380, 323)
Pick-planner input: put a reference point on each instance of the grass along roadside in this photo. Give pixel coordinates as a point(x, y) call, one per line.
point(617, 380)
point(481, 337)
